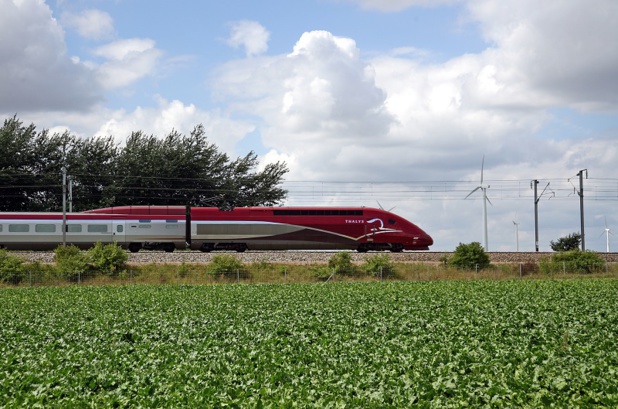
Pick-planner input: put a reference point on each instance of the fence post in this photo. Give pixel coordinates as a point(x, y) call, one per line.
point(564, 267)
point(380, 274)
point(520, 268)
point(237, 275)
point(79, 278)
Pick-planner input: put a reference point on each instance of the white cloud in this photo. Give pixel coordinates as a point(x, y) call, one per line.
point(319, 100)
point(93, 24)
point(560, 51)
point(174, 115)
point(249, 34)
point(128, 60)
point(334, 116)
point(35, 70)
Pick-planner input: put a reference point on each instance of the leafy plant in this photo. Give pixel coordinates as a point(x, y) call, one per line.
point(469, 256)
point(477, 343)
point(225, 264)
point(379, 265)
point(70, 262)
point(567, 243)
point(341, 263)
point(108, 259)
point(321, 272)
point(12, 269)
point(573, 261)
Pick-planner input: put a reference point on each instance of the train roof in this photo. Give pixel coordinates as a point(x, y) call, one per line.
point(181, 210)
point(141, 210)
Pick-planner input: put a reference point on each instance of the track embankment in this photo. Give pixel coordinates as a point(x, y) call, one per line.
point(305, 257)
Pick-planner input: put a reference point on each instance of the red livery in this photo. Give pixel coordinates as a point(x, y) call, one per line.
point(208, 229)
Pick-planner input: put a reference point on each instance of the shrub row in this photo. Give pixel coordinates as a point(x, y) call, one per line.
point(70, 263)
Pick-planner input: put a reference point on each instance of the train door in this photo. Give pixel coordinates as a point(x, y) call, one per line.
point(118, 231)
point(370, 230)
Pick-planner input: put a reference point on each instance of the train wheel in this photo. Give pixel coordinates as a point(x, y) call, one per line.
point(396, 247)
point(206, 248)
point(134, 247)
point(241, 248)
point(362, 248)
point(168, 247)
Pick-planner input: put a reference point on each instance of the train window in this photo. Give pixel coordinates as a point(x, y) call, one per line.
point(171, 221)
point(171, 226)
point(145, 226)
point(120, 228)
point(19, 228)
point(0, 227)
point(144, 220)
point(45, 228)
point(330, 212)
point(74, 228)
point(97, 228)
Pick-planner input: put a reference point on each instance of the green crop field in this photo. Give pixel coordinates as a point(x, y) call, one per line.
point(396, 344)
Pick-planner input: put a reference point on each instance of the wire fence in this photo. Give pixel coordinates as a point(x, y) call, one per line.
point(198, 274)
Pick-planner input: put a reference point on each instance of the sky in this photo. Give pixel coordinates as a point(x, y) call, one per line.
point(402, 104)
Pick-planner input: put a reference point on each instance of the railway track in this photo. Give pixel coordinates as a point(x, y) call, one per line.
point(304, 257)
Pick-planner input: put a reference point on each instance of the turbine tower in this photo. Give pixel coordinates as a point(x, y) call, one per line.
point(483, 189)
point(608, 231)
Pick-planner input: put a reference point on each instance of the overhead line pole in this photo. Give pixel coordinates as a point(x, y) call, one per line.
point(581, 204)
point(535, 182)
point(64, 206)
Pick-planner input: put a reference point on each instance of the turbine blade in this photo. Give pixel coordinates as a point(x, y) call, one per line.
point(472, 192)
point(482, 166)
point(488, 200)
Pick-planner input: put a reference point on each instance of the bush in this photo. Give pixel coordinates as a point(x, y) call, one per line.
point(341, 263)
point(226, 264)
point(379, 265)
point(183, 270)
point(567, 243)
point(70, 262)
point(469, 256)
point(320, 272)
point(12, 269)
point(108, 259)
point(573, 261)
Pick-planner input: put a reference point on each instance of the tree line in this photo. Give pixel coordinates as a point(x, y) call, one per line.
point(175, 170)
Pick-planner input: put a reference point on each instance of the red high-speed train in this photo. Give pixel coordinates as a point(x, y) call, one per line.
point(209, 228)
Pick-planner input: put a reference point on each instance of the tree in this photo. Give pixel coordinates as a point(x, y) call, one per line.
point(190, 170)
point(469, 256)
point(567, 243)
point(15, 175)
point(93, 170)
point(175, 170)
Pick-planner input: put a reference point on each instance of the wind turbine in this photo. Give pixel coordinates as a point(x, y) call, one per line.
point(608, 231)
point(483, 189)
point(516, 233)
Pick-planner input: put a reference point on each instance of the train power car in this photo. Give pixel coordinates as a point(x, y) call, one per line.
point(208, 229)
